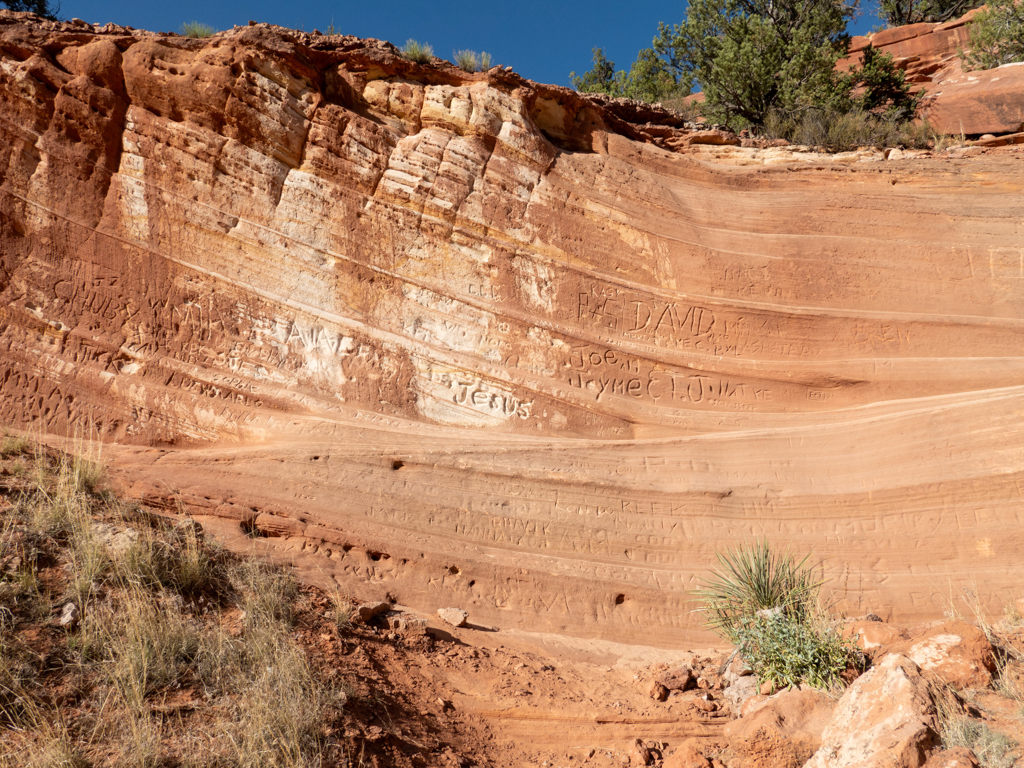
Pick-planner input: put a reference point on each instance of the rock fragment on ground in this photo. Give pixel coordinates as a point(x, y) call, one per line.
point(454, 616)
point(741, 691)
point(369, 611)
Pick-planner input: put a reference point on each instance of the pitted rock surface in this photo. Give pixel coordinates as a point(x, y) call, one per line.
point(454, 339)
point(886, 718)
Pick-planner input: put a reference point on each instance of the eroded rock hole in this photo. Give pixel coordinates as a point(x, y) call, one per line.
point(620, 599)
point(378, 556)
point(397, 464)
point(454, 570)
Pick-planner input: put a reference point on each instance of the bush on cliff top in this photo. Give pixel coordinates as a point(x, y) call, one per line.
point(897, 13)
point(197, 29)
point(996, 37)
point(649, 79)
point(752, 58)
point(420, 53)
point(40, 7)
point(471, 61)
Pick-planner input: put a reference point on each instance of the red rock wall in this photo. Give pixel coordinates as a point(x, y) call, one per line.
point(972, 103)
point(473, 341)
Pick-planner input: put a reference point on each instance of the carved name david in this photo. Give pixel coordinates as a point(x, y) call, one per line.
point(632, 315)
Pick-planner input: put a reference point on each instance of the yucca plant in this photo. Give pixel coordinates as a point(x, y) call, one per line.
point(766, 603)
point(755, 578)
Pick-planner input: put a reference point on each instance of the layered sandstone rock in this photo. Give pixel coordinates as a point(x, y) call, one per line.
point(470, 340)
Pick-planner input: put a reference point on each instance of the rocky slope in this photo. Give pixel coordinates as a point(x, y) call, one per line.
point(470, 340)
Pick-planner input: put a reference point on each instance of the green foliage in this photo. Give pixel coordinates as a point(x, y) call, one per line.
point(897, 13)
point(197, 29)
point(755, 58)
point(420, 53)
point(996, 36)
point(755, 578)
point(649, 79)
point(750, 56)
point(471, 61)
point(765, 603)
point(787, 651)
point(883, 88)
point(40, 7)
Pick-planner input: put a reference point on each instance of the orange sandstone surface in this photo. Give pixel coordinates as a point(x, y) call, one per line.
point(473, 341)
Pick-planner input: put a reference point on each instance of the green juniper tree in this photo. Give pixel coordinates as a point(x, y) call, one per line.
point(897, 13)
point(753, 56)
point(878, 87)
point(757, 60)
point(996, 36)
point(649, 78)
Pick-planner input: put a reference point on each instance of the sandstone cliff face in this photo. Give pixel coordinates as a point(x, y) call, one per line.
point(473, 341)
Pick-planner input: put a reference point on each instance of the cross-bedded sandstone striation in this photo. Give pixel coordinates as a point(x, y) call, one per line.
point(475, 341)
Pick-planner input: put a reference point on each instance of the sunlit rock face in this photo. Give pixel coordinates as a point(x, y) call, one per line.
point(469, 340)
point(955, 101)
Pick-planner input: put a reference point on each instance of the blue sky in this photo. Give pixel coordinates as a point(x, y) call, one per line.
point(543, 41)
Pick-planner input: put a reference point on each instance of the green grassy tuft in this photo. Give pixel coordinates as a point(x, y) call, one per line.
point(418, 52)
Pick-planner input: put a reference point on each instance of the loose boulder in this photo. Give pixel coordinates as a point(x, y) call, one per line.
point(958, 757)
point(957, 652)
point(369, 611)
point(689, 754)
point(677, 679)
point(886, 719)
point(454, 616)
point(783, 731)
point(873, 636)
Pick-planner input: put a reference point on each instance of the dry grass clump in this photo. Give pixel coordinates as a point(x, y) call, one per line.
point(992, 748)
point(197, 29)
point(841, 131)
point(471, 61)
point(420, 53)
point(149, 599)
point(13, 445)
point(344, 609)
